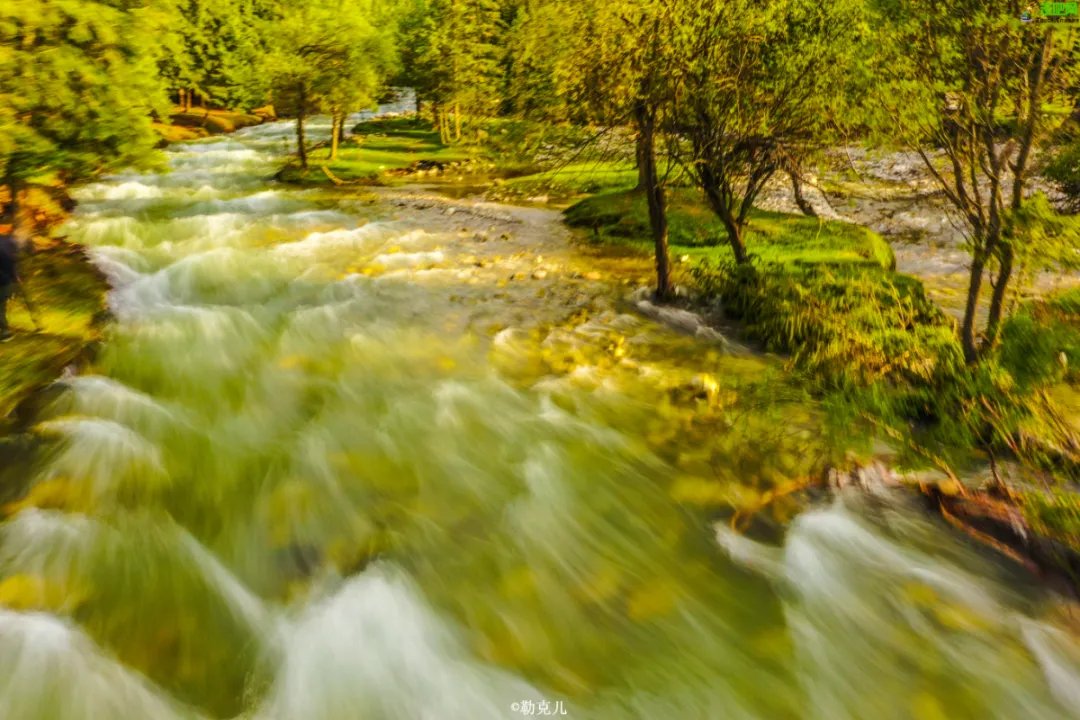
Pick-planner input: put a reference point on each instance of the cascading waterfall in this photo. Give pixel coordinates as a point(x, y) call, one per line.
point(326, 468)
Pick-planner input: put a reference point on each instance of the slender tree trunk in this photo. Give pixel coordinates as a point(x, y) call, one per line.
point(301, 144)
point(735, 238)
point(457, 121)
point(187, 100)
point(997, 300)
point(657, 201)
point(335, 136)
point(727, 216)
point(419, 105)
point(800, 200)
point(967, 329)
point(640, 150)
point(1007, 255)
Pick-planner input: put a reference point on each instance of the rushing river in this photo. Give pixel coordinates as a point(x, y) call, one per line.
point(391, 455)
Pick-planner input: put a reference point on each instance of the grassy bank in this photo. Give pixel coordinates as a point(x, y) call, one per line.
point(515, 160)
point(883, 358)
point(68, 297)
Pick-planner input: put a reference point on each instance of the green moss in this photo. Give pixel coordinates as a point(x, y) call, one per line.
point(622, 217)
point(68, 294)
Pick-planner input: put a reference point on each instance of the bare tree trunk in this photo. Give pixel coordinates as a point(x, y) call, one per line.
point(640, 150)
point(457, 121)
point(727, 216)
point(1008, 254)
point(735, 238)
point(967, 329)
point(656, 198)
point(800, 200)
point(335, 137)
point(301, 145)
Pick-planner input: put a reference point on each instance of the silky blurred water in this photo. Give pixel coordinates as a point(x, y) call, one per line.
point(389, 455)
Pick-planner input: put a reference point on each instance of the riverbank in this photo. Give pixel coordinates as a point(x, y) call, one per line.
point(57, 331)
point(870, 343)
point(885, 362)
point(68, 310)
point(517, 162)
point(196, 123)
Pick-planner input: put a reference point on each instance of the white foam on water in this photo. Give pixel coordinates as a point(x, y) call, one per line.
point(353, 240)
point(374, 650)
point(1058, 657)
point(102, 397)
point(400, 260)
point(52, 671)
point(105, 459)
point(865, 615)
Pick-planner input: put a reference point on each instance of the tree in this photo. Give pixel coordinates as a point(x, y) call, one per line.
point(762, 82)
point(464, 60)
point(618, 64)
point(966, 89)
point(326, 56)
point(212, 50)
point(77, 90)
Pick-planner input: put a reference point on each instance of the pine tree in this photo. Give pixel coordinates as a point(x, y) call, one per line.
point(77, 90)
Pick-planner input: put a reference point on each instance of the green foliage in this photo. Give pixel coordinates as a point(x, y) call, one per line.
point(454, 52)
point(849, 325)
point(325, 56)
point(968, 90)
point(1064, 171)
point(380, 147)
point(77, 88)
point(1040, 343)
point(884, 357)
point(215, 49)
point(759, 91)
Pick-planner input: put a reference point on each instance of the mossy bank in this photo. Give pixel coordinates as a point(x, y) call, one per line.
point(885, 361)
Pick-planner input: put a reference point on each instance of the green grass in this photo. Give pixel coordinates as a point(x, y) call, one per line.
point(515, 158)
point(570, 180)
point(621, 217)
point(377, 149)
